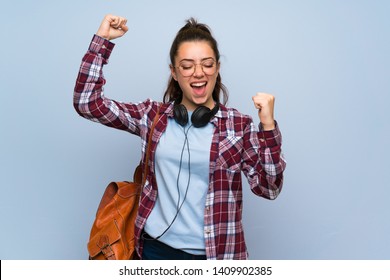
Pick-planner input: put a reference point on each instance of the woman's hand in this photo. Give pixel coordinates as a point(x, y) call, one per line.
point(112, 27)
point(264, 102)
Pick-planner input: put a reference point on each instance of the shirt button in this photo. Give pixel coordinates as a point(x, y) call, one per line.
point(262, 140)
point(207, 208)
point(208, 231)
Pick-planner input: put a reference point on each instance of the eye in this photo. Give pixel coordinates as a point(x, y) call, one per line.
point(208, 64)
point(187, 66)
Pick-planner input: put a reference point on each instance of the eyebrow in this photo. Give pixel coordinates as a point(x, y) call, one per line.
point(192, 60)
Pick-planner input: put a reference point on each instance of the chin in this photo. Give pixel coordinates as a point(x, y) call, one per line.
point(201, 101)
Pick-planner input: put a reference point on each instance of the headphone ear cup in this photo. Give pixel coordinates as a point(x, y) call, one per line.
point(180, 114)
point(201, 116)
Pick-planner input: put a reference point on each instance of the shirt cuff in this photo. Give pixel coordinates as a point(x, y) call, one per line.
point(271, 138)
point(101, 46)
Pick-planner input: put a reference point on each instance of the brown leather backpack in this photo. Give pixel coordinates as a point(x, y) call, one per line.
point(112, 233)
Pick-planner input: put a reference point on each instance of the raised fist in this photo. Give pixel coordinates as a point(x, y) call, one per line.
point(112, 27)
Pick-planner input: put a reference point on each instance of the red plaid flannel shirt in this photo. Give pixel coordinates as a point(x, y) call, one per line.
point(237, 146)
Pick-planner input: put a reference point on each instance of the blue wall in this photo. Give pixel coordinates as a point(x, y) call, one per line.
point(327, 63)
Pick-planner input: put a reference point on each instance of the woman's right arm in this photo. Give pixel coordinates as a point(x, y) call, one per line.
point(89, 100)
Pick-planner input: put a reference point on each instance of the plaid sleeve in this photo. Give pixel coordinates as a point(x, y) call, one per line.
point(263, 161)
point(89, 100)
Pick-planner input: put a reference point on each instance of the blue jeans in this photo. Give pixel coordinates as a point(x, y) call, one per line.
point(156, 250)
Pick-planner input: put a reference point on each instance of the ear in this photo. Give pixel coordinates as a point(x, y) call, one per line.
point(173, 72)
point(218, 67)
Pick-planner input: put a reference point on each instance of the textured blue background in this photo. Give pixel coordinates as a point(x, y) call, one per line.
point(327, 63)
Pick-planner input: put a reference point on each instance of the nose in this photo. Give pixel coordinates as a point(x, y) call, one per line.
point(198, 71)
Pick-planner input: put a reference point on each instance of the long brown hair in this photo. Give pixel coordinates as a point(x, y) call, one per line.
point(194, 31)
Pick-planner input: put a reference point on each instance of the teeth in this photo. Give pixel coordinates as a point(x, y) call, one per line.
point(198, 84)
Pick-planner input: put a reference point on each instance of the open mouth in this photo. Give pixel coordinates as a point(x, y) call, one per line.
point(199, 88)
point(199, 85)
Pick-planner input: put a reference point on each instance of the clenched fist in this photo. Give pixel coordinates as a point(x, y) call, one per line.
point(264, 102)
point(112, 27)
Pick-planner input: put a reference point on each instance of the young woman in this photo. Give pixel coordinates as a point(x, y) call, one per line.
point(191, 203)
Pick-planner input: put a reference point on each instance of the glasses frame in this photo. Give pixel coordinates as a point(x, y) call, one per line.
point(195, 65)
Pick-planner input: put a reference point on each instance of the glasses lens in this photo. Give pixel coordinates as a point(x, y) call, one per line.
point(209, 67)
point(187, 69)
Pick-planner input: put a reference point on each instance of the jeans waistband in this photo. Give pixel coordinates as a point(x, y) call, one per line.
point(157, 250)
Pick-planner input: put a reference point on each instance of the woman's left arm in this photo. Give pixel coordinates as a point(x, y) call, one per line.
point(263, 161)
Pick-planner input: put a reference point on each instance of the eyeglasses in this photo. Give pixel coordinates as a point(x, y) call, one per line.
point(188, 68)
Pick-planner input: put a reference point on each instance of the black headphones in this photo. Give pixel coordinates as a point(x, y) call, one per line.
point(200, 117)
